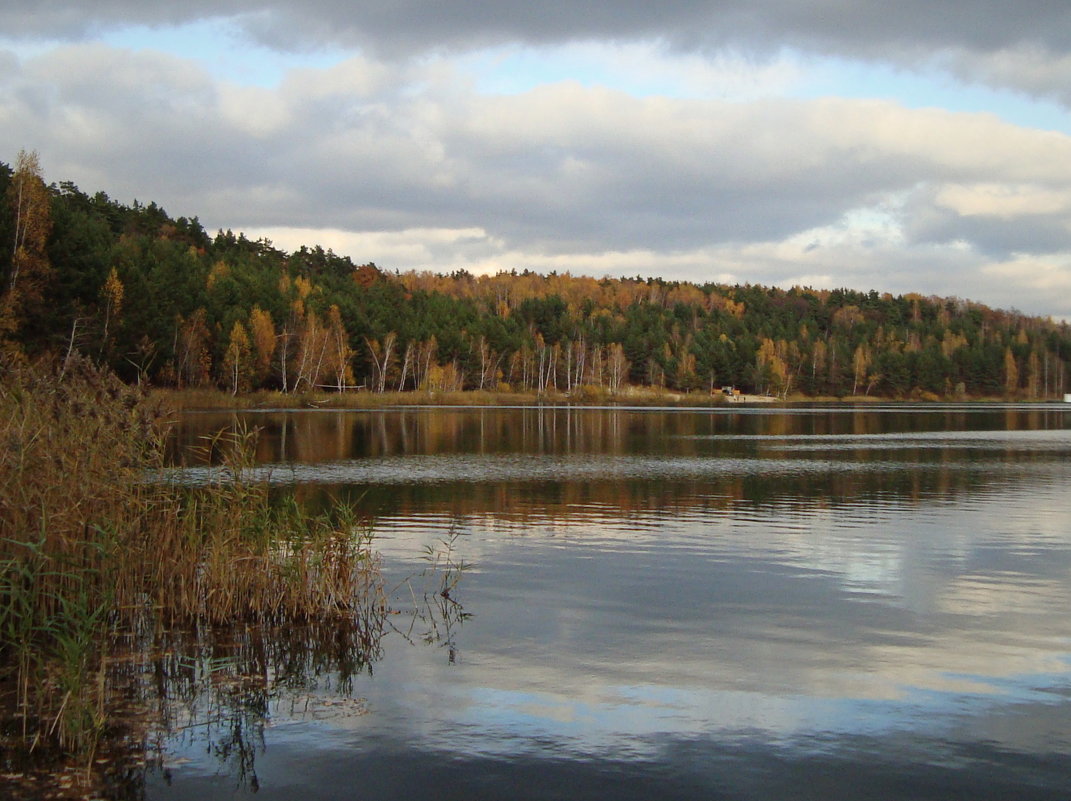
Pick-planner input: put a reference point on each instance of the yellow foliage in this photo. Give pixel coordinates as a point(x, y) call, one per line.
point(952, 342)
point(847, 316)
point(1011, 372)
point(112, 292)
point(303, 286)
point(30, 205)
point(263, 335)
point(219, 270)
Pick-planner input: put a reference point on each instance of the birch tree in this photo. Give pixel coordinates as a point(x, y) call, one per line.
point(30, 205)
point(340, 352)
point(236, 360)
point(111, 295)
point(382, 354)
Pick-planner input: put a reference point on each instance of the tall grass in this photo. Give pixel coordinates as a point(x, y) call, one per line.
point(94, 542)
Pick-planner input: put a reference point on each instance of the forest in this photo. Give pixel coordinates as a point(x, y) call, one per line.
point(162, 302)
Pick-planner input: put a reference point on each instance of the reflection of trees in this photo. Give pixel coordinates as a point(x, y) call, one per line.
point(856, 474)
point(217, 689)
point(573, 501)
point(311, 437)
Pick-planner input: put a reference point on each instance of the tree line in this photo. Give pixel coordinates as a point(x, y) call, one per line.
point(161, 301)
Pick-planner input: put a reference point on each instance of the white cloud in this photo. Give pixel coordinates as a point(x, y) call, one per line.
point(409, 249)
point(1007, 201)
point(253, 111)
point(1034, 275)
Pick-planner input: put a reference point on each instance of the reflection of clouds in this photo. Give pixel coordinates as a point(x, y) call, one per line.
point(628, 719)
point(873, 542)
point(887, 615)
point(1010, 595)
point(1039, 442)
point(506, 706)
point(623, 601)
point(965, 441)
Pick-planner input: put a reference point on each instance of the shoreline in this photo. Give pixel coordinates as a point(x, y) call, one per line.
point(218, 400)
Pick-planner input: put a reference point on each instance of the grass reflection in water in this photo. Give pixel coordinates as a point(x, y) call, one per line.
point(127, 604)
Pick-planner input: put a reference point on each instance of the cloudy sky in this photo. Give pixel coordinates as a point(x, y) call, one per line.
point(919, 145)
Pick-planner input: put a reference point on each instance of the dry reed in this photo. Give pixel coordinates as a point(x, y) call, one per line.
point(95, 541)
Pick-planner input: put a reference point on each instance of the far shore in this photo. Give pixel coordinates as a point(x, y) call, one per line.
point(212, 399)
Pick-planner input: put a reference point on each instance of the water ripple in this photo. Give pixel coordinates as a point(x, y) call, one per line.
point(508, 467)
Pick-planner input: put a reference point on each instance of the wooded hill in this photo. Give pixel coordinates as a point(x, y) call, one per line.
point(161, 301)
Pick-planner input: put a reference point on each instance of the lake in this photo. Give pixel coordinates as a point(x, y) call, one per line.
point(740, 603)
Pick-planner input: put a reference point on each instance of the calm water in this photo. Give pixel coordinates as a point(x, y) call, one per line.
point(823, 603)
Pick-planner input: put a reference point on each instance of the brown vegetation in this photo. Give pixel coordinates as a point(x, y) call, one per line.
point(96, 543)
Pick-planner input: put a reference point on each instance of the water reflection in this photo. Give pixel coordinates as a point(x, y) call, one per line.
point(309, 437)
point(204, 702)
point(837, 603)
point(216, 692)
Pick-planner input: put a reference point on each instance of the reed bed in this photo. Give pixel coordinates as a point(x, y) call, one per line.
point(96, 543)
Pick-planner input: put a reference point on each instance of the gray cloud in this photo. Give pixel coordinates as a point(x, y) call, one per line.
point(852, 26)
point(1030, 68)
point(58, 19)
point(996, 237)
point(997, 220)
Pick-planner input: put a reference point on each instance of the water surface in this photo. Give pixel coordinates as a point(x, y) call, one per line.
point(743, 603)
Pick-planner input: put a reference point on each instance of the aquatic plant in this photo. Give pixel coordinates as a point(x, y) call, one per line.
point(96, 544)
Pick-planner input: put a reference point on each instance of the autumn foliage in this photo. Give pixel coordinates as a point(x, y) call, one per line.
point(163, 302)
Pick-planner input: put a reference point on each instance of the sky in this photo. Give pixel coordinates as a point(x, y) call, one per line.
point(917, 146)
